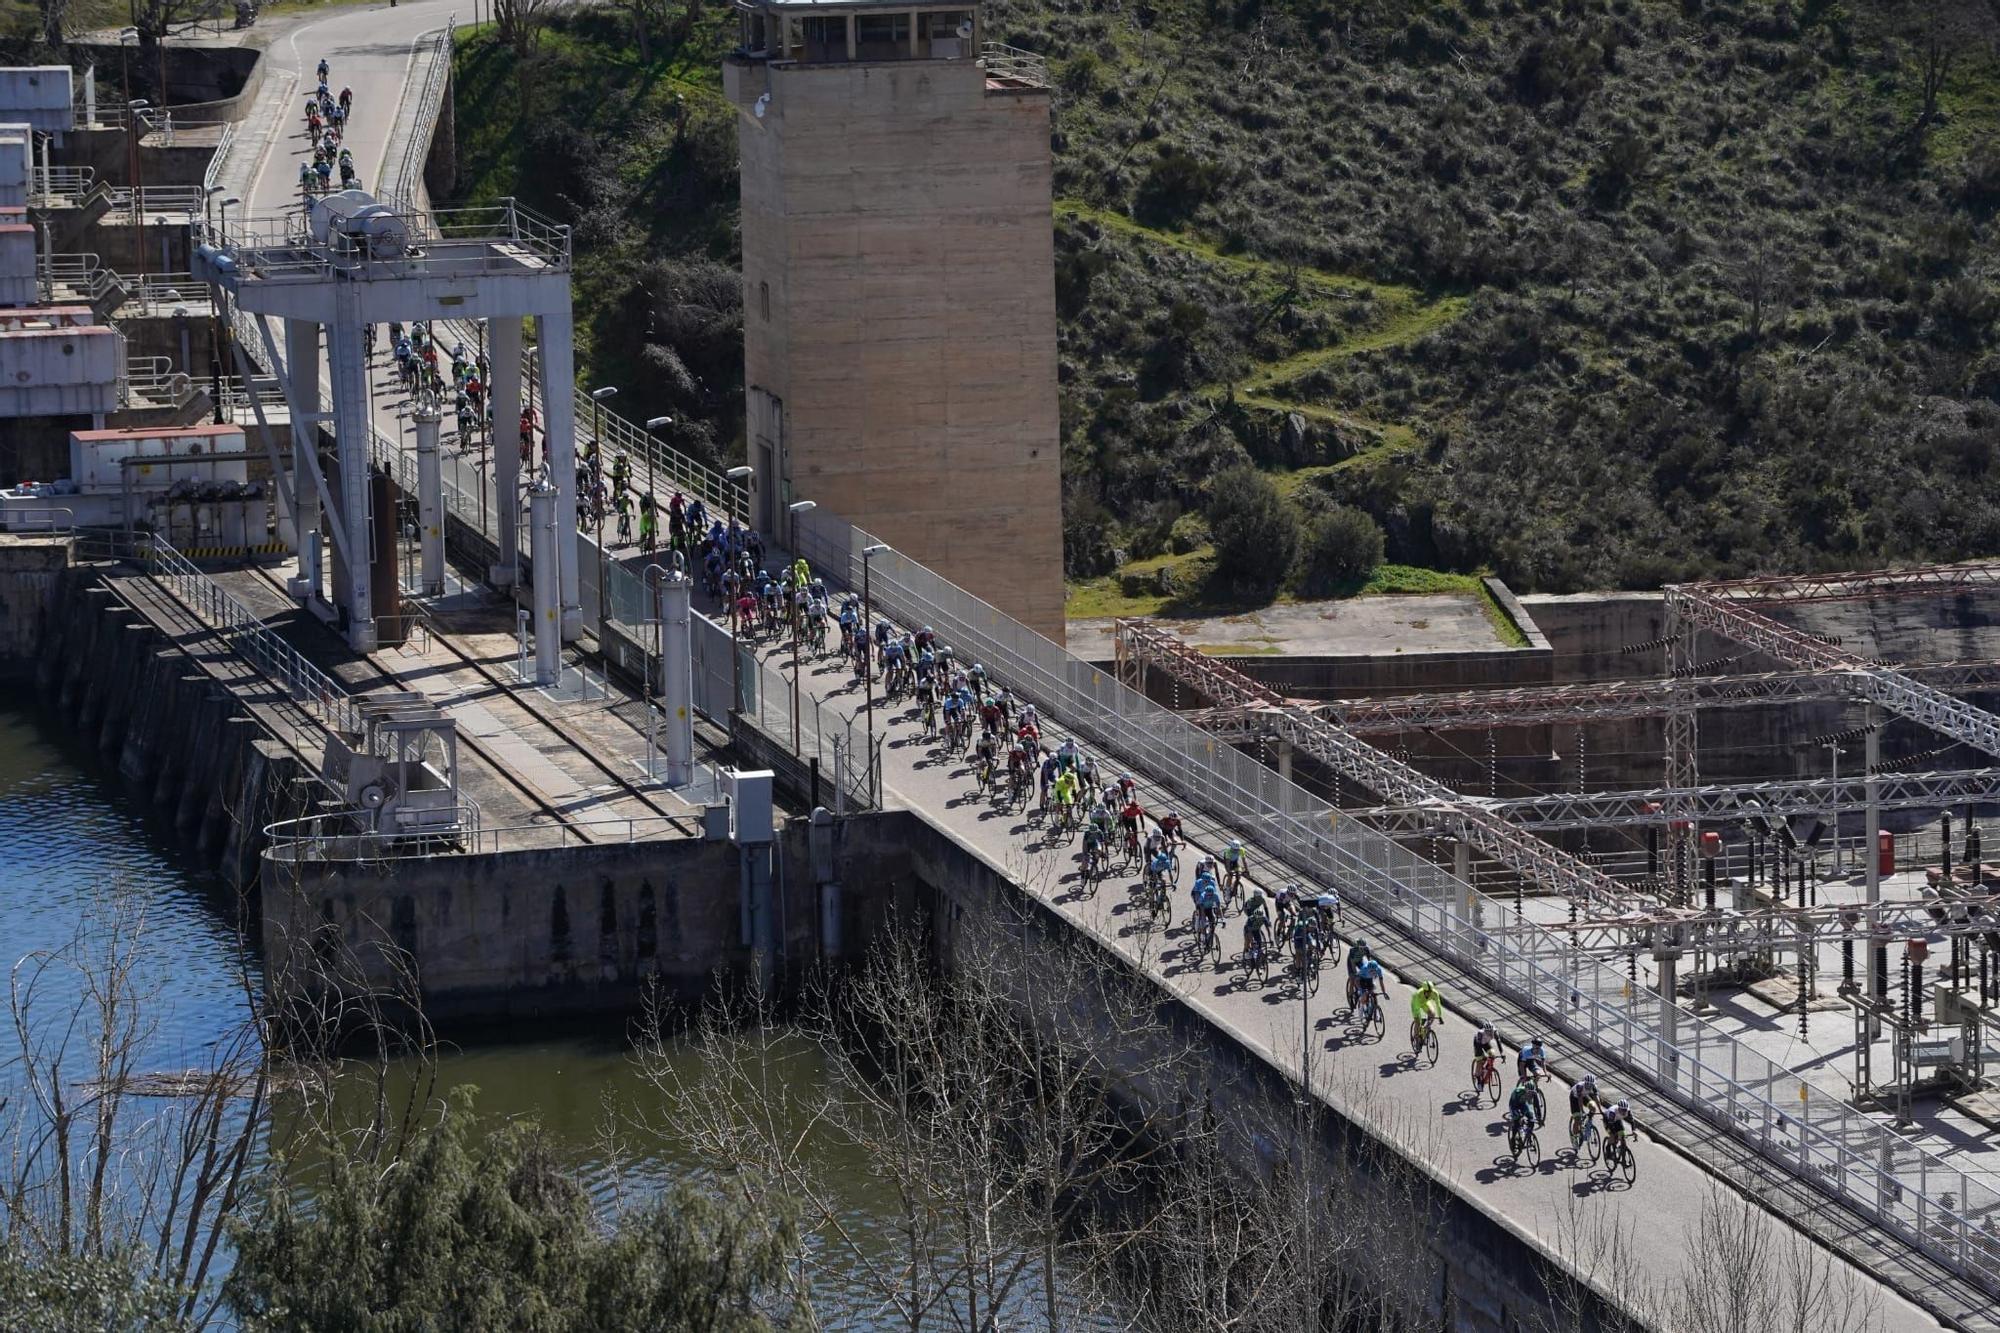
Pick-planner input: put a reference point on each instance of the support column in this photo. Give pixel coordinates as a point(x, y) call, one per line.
point(557, 361)
point(1284, 761)
point(505, 386)
point(347, 366)
point(1468, 904)
point(1871, 825)
point(1683, 638)
point(677, 677)
point(1668, 962)
point(302, 369)
point(545, 531)
point(430, 499)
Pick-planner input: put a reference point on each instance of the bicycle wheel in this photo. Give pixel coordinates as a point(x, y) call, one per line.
point(1541, 1105)
point(1431, 1045)
point(1533, 1148)
point(1493, 1082)
point(1628, 1163)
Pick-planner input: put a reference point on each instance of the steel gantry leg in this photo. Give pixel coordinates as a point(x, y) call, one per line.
point(347, 366)
point(1682, 738)
point(557, 362)
point(301, 369)
point(505, 332)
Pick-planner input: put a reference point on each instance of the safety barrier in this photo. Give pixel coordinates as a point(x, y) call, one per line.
point(321, 696)
point(1788, 1120)
point(400, 180)
point(333, 837)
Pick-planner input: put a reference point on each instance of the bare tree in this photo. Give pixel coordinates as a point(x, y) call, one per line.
point(1746, 1269)
point(110, 1163)
point(519, 23)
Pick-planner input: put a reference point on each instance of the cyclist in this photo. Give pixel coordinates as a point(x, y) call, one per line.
point(1256, 912)
point(1065, 791)
point(1532, 1061)
point(1426, 1005)
point(1582, 1101)
point(1100, 819)
point(323, 70)
point(1049, 770)
point(1130, 817)
point(1236, 862)
point(1486, 1043)
point(1093, 849)
point(1207, 896)
point(1521, 1105)
point(1368, 977)
point(1329, 909)
point(1357, 954)
point(1617, 1122)
point(1171, 827)
point(1160, 871)
point(1287, 905)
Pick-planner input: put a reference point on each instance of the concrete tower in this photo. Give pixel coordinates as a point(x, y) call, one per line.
point(899, 287)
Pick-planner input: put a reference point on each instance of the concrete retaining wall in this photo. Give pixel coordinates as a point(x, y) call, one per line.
point(30, 570)
point(179, 739)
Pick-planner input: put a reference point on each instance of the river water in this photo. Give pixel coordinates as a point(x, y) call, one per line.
point(69, 831)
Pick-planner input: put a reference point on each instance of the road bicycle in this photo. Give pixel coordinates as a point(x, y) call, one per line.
point(1486, 1079)
point(1521, 1139)
point(1369, 1016)
point(1584, 1140)
point(1424, 1039)
point(1618, 1155)
point(1256, 958)
point(1206, 938)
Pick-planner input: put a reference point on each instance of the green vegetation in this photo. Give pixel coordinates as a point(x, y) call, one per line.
point(1602, 293)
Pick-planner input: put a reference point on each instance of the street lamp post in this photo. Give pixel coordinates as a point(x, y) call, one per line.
point(133, 108)
point(798, 622)
point(653, 424)
point(868, 554)
point(738, 474)
point(597, 397)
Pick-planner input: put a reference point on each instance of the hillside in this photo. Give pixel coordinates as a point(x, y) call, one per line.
point(1609, 293)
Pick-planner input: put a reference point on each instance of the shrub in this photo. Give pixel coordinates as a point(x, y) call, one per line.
point(1177, 184)
point(1342, 548)
point(1256, 533)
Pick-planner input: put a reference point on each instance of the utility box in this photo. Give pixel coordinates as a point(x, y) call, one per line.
point(39, 96)
point(749, 805)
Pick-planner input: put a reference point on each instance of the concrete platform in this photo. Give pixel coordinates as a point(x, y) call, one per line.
point(1353, 626)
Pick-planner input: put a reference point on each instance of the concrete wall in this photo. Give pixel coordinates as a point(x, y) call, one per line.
point(896, 228)
point(30, 569)
point(179, 741)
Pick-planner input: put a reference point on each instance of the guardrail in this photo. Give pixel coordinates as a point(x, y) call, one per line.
point(399, 187)
point(653, 460)
point(504, 238)
point(223, 144)
point(1791, 1122)
point(332, 838)
point(159, 199)
point(1010, 62)
point(56, 187)
point(321, 696)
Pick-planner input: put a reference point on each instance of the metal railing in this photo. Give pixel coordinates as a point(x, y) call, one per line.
point(209, 178)
point(57, 187)
point(156, 200)
point(333, 837)
point(506, 237)
point(1001, 61)
point(657, 465)
point(321, 696)
point(399, 188)
point(1786, 1118)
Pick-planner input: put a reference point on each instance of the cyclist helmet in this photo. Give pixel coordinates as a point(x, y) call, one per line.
point(1624, 1108)
point(1235, 844)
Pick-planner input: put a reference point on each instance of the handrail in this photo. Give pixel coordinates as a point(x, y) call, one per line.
point(398, 189)
point(251, 639)
point(57, 186)
point(332, 837)
point(1011, 62)
point(216, 161)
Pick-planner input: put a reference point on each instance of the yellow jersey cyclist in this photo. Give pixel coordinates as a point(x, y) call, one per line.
point(1426, 1008)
